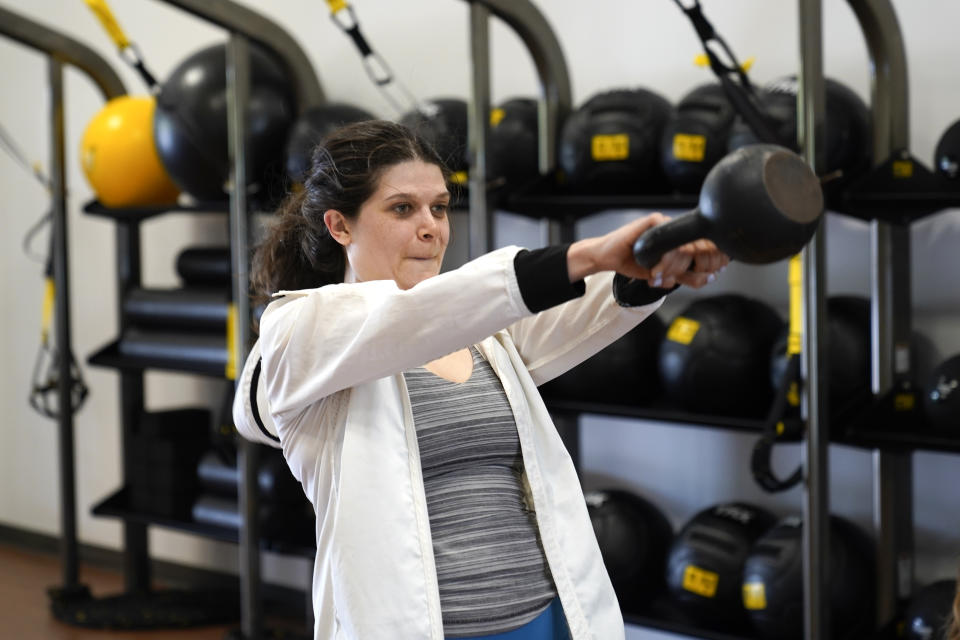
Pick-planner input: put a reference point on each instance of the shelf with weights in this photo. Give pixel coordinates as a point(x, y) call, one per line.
point(657, 413)
point(897, 422)
point(184, 476)
point(139, 214)
point(546, 197)
point(200, 354)
point(120, 504)
point(900, 190)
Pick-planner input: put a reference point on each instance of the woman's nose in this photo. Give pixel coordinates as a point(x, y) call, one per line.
point(428, 224)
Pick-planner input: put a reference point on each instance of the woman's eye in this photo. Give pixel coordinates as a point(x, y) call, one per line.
point(440, 209)
point(401, 208)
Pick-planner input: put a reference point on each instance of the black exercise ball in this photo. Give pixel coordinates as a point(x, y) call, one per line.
point(848, 125)
point(633, 535)
point(443, 123)
point(941, 396)
point(928, 611)
point(612, 142)
point(190, 123)
point(623, 372)
point(716, 353)
point(696, 137)
point(773, 581)
point(848, 355)
point(946, 158)
point(705, 562)
point(513, 143)
point(313, 125)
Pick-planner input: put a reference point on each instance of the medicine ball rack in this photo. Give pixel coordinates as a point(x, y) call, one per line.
point(896, 192)
point(243, 25)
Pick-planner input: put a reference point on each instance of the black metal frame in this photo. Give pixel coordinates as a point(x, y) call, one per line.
point(62, 50)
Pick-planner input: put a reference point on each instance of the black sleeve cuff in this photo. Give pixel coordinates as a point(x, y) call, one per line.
point(629, 292)
point(543, 277)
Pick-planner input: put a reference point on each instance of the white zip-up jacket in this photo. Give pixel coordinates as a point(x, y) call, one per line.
point(331, 388)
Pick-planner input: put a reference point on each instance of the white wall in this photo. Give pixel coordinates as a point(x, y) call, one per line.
point(607, 43)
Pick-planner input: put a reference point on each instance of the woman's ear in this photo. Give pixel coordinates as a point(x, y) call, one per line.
point(337, 225)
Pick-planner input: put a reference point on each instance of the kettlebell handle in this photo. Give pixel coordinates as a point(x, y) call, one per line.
point(653, 243)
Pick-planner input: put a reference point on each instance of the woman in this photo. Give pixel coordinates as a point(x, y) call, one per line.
point(405, 400)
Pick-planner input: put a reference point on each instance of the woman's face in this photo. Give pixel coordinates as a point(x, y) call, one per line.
point(402, 230)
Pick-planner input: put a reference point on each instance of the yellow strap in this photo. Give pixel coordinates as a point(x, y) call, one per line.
point(102, 10)
point(703, 60)
point(230, 371)
point(337, 5)
point(49, 293)
point(795, 280)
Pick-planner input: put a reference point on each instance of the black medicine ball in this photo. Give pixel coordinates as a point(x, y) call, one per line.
point(848, 125)
point(612, 142)
point(946, 158)
point(773, 581)
point(696, 137)
point(715, 357)
point(443, 123)
point(928, 611)
point(311, 127)
point(623, 372)
point(513, 146)
point(941, 396)
point(705, 562)
point(848, 359)
point(190, 122)
point(633, 535)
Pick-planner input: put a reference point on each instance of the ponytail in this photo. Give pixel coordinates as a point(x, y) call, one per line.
point(296, 253)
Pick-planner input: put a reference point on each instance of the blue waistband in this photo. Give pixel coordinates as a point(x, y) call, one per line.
point(549, 625)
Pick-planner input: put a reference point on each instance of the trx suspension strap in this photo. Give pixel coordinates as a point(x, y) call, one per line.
point(732, 75)
point(784, 422)
point(128, 49)
point(44, 383)
point(399, 97)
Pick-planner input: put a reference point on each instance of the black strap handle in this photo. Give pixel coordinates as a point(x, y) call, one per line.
point(653, 243)
point(734, 80)
point(778, 426)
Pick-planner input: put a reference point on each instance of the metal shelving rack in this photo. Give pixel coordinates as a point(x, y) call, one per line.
point(243, 26)
point(889, 212)
point(62, 50)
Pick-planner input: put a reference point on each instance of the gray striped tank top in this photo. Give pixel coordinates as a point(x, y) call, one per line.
point(491, 569)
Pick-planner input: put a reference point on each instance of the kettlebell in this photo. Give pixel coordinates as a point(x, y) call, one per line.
point(759, 204)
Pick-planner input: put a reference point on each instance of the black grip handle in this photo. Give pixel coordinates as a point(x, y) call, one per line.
point(653, 243)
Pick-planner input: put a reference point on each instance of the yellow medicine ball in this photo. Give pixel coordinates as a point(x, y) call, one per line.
point(120, 159)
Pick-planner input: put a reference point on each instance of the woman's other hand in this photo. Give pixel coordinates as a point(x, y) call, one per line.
point(694, 264)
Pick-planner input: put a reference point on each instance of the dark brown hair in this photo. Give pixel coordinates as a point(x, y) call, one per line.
point(297, 251)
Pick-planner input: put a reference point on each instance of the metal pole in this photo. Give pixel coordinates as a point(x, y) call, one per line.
point(66, 49)
point(481, 217)
point(890, 358)
point(890, 307)
point(535, 32)
point(816, 499)
point(238, 92)
point(68, 497)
